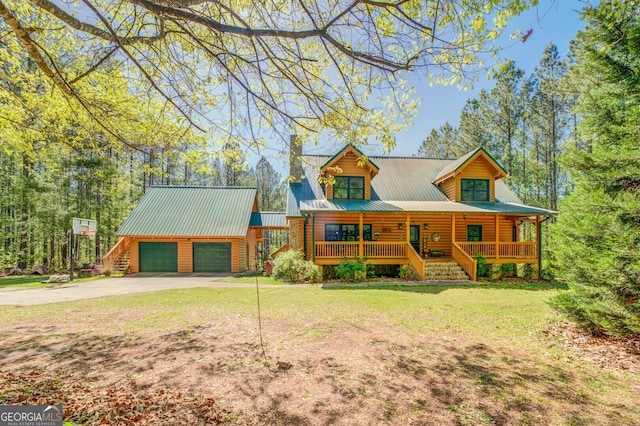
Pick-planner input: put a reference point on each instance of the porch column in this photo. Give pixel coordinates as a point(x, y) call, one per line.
point(313, 237)
point(538, 242)
point(407, 229)
point(497, 237)
point(453, 228)
point(360, 237)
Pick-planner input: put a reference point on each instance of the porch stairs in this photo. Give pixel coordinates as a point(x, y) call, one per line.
point(122, 263)
point(444, 271)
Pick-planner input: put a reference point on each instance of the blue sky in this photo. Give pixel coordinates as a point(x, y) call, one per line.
point(555, 21)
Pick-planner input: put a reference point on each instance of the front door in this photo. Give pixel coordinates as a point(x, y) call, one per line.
point(414, 237)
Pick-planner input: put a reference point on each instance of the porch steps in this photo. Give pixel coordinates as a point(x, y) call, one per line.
point(444, 271)
point(122, 264)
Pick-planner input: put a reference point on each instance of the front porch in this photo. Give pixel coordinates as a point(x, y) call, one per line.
point(391, 253)
point(421, 239)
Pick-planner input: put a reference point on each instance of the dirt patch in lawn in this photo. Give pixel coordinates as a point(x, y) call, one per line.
point(322, 373)
point(607, 352)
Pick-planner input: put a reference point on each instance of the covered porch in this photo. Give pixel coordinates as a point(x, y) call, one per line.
point(423, 238)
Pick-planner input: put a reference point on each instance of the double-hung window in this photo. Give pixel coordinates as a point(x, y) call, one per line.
point(346, 232)
point(474, 190)
point(348, 188)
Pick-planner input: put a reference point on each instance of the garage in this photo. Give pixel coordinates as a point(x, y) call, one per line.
point(158, 257)
point(211, 257)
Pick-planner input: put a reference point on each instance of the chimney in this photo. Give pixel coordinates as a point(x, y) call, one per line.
point(295, 159)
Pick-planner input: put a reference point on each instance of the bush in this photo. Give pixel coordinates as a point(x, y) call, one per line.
point(509, 270)
point(290, 266)
point(528, 271)
point(387, 270)
point(408, 272)
point(355, 271)
point(483, 269)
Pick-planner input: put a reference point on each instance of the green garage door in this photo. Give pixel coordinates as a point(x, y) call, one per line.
point(211, 257)
point(158, 257)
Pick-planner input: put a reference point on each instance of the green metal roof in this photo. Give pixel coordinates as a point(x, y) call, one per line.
point(191, 211)
point(457, 164)
point(402, 184)
point(268, 219)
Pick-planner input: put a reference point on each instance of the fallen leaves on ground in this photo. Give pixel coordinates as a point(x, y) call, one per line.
point(122, 404)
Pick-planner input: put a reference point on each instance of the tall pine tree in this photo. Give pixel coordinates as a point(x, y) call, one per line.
point(597, 237)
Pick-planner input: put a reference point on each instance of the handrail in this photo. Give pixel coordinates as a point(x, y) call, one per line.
point(382, 249)
point(516, 250)
point(415, 260)
point(468, 263)
point(116, 251)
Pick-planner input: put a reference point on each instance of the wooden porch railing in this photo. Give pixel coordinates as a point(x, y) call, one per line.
point(337, 249)
point(518, 250)
point(116, 251)
point(415, 260)
point(467, 262)
point(384, 249)
point(500, 250)
point(372, 249)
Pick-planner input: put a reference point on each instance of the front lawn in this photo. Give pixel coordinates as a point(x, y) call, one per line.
point(434, 354)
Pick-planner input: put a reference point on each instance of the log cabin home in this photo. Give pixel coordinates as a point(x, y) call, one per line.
point(437, 215)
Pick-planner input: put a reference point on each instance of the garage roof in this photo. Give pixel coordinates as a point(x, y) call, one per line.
point(197, 211)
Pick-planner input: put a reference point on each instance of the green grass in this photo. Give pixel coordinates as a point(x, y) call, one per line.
point(477, 353)
point(31, 281)
point(250, 279)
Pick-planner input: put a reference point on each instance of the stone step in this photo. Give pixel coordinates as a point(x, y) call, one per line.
point(444, 271)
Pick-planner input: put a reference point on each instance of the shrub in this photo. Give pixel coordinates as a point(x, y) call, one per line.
point(509, 270)
point(483, 269)
point(408, 272)
point(290, 266)
point(355, 271)
point(528, 271)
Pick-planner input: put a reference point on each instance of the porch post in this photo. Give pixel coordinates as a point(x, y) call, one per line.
point(313, 237)
point(360, 237)
point(407, 228)
point(453, 228)
point(497, 237)
point(538, 236)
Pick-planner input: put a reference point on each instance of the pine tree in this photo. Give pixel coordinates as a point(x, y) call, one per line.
point(597, 237)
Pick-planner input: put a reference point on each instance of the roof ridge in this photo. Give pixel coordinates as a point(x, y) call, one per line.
point(203, 187)
point(394, 157)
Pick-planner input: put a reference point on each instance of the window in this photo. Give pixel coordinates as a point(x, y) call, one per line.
point(474, 233)
point(474, 190)
point(349, 188)
point(346, 232)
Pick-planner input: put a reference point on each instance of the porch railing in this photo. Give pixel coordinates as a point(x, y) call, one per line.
point(384, 249)
point(372, 249)
point(337, 249)
point(497, 250)
point(465, 261)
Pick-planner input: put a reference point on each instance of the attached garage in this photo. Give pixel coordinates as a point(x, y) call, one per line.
point(158, 257)
point(211, 257)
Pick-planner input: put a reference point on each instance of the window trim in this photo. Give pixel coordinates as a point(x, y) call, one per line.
point(349, 187)
point(474, 191)
point(481, 233)
point(367, 232)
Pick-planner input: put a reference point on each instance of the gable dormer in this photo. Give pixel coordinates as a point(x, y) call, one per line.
point(471, 178)
point(348, 175)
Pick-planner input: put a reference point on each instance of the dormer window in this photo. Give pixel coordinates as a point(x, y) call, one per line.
point(348, 188)
point(474, 190)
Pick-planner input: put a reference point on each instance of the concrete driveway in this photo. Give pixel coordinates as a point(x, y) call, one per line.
point(136, 283)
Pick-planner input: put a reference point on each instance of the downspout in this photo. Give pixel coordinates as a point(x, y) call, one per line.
point(540, 245)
